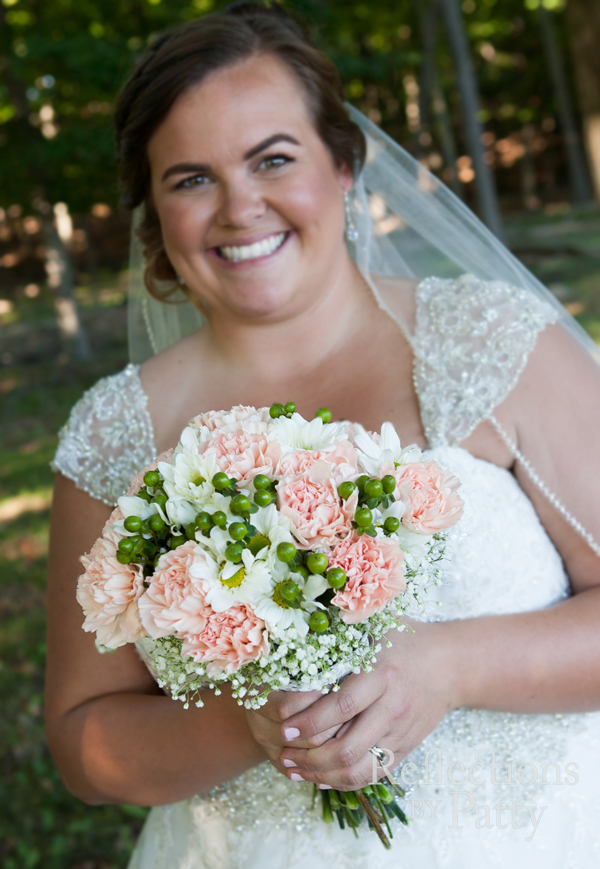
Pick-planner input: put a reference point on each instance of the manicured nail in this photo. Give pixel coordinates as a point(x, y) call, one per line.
point(287, 762)
point(291, 733)
point(295, 777)
point(324, 787)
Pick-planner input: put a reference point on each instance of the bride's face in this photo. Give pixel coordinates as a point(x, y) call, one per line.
point(249, 197)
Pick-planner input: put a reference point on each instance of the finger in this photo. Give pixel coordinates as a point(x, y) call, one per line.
point(281, 705)
point(330, 711)
point(347, 749)
point(365, 771)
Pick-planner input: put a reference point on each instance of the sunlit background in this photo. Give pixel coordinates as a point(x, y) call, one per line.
point(499, 98)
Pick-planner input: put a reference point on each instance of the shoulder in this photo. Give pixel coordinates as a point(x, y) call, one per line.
point(108, 436)
point(471, 342)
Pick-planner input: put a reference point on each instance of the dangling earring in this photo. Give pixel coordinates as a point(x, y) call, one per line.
point(180, 280)
point(351, 231)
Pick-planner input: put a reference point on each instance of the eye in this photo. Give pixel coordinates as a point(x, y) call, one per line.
point(195, 181)
point(275, 161)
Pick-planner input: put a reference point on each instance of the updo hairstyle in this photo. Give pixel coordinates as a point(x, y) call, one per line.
point(181, 59)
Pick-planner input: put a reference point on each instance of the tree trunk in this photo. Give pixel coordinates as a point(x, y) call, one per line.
point(484, 179)
point(583, 18)
point(580, 186)
point(59, 272)
point(431, 94)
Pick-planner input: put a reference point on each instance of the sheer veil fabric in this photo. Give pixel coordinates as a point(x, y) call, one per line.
point(410, 225)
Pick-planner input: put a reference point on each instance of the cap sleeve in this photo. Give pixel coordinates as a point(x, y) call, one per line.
point(471, 342)
point(108, 437)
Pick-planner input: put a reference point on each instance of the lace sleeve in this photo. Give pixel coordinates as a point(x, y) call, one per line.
point(108, 437)
point(471, 343)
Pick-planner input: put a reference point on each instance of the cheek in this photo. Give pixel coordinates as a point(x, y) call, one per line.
point(183, 225)
point(315, 207)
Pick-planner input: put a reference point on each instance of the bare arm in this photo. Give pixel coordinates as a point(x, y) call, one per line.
point(114, 735)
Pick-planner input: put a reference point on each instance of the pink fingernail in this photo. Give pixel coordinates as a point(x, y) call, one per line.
point(287, 762)
point(324, 787)
point(295, 777)
point(291, 733)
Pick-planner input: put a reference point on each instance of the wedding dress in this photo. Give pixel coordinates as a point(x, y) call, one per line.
point(490, 788)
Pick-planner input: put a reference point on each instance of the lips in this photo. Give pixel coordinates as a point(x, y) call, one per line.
point(246, 252)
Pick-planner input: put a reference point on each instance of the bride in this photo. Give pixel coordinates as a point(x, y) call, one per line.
point(331, 276)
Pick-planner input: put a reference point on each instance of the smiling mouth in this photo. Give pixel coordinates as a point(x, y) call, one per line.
point(243, 253)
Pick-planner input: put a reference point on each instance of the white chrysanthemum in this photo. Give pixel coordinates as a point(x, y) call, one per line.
point(299, 434)
point(279, 619)
point(188, 476)
point(413, 543)
point(243, 582)
point(274, 527)
point(374, 457)
point(131, 505)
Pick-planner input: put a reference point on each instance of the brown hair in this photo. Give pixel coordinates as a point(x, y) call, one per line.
point(182, 58)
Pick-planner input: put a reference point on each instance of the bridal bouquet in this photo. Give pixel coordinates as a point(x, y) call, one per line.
point(270, 553)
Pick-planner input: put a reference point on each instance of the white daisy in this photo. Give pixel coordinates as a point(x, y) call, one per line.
point(242, 582)
point(188, 476)
point(299, 434)
point(373, 457)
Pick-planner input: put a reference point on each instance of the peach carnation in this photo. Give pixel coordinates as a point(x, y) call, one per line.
point(342, 460)
point(242, 454)
point(429, 494)
point(375, 571)
point(108, 593)
point(318, 514)
point(174, 602)
point(229, 640)
point(229, 420)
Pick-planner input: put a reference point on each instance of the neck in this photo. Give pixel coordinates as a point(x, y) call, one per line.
point(299, 342)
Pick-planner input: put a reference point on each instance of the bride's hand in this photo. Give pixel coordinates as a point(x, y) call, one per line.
point(412, 686)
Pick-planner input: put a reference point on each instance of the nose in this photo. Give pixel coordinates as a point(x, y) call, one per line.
point(241, 204)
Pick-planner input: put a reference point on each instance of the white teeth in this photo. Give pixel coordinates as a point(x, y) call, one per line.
point(253, 251)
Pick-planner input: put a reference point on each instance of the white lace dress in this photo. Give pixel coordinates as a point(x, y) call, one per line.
point(486, 788)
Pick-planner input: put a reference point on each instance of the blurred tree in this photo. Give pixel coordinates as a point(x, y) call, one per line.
point(580, 186)
point(584, 27)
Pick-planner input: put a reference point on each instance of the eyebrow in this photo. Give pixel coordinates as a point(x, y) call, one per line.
point(184, 168)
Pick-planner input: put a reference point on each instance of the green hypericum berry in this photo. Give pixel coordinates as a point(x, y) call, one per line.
point(144, 494)
point(152, 478)
point(240, 504)
point(160, 500)
point(286, 552)
point(190, 531)
point(362, 480)
point(301, 569)
point(389, 484)
point(317, 562)
point(126, 545)
point(336, 577)
point(363, 517)
point(220, 481)
point(233, 552)
point(373, 488)
point(204, 521)
point(391, 524)
point(289, 590)
point(156, 523)
point(276, 410)
point(318, 622)
point(132, 524)
point(174, 542)
point(220, 519)
point(346, 489)
point(290, 407)
point(262, 498)
point(324, 413)
point(237, 530)
point(261, 481)
point(123, 557)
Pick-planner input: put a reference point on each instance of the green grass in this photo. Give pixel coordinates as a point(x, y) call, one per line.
point(41, 824)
